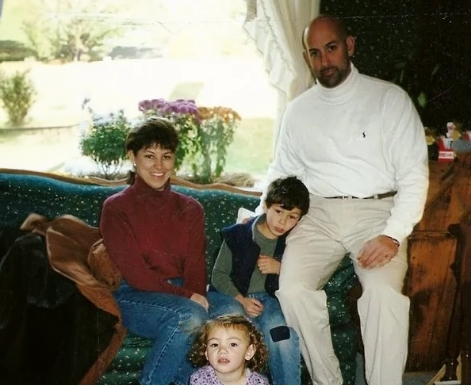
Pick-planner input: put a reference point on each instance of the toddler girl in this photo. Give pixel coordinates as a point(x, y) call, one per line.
point(229, 350)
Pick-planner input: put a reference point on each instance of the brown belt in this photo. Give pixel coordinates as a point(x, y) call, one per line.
point(376, 196)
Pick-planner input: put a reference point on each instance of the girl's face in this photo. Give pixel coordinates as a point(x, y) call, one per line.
point(154, 165)
point(227, 350)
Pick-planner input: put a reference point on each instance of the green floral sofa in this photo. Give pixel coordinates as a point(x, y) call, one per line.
point(22, 193)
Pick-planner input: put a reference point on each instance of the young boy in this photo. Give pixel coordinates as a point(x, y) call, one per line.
point(245, 274)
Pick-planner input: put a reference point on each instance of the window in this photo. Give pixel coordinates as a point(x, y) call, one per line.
point(195, 49)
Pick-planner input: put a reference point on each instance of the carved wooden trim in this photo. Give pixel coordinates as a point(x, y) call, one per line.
point(103, 182)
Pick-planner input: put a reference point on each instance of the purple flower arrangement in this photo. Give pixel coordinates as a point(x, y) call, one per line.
point(164, 108)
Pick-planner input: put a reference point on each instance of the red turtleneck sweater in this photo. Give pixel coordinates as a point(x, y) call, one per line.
point(153, 236)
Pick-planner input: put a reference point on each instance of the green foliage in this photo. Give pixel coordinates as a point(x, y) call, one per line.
point(417, 79)
point(73, 32)
point(76, 37)
point(34, 37)
point(104, 142)
point(13, 51)
point(17, 94)
point(215, 134)
point(189, 144)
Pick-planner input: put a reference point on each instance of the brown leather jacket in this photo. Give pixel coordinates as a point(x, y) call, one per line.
point(76, 251)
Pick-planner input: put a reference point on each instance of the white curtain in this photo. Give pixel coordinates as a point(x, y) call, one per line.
point(277, 27)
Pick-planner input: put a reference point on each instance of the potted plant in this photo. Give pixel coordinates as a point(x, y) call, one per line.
point(104, 142)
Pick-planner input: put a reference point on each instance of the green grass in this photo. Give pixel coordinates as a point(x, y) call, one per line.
point(252, 148)
point(186, 90)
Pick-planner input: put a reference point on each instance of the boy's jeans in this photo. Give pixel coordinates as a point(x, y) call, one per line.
point(170, 321)
point(283, 353)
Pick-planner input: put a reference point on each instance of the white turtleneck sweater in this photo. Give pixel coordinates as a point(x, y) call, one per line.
point(361, 138)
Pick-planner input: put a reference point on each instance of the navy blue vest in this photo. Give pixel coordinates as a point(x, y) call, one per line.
point(245, 252)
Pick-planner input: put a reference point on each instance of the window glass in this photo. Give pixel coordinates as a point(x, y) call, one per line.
point(109, 55)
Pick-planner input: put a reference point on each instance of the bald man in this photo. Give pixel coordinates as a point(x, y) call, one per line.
point(359, 146)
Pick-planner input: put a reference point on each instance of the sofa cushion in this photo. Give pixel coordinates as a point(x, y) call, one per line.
point(22, 194)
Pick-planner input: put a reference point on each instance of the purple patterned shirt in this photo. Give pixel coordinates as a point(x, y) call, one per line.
point(207, 376)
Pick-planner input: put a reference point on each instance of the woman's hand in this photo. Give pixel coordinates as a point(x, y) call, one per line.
point(200, 299)
point(267, 264)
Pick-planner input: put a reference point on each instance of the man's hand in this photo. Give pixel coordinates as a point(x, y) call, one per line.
point(267, 264)
point(252, 307)
point(200, 299)
point(377, 252)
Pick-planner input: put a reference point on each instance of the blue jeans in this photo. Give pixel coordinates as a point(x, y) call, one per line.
point(170, 321)
point(283, 350)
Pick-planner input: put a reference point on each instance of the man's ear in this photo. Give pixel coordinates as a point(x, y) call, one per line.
point(308, 63)
point(306, 58)
point(350, 45)
point(250, 352)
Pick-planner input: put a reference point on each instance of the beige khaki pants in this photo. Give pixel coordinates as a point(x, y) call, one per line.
point(314, 250)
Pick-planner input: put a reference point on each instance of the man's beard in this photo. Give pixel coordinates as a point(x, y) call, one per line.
point(333, 80)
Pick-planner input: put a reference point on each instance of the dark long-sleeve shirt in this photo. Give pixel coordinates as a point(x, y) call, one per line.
point(153, 236)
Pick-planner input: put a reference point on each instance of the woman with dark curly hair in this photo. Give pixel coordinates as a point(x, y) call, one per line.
point(229, 351)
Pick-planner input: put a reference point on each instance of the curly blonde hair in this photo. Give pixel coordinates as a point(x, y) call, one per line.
point(238, 322)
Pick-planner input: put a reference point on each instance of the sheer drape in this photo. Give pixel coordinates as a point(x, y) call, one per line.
point(277, 27)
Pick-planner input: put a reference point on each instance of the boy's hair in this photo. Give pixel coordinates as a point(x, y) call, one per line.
point(289, 193)
point(238, 322)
